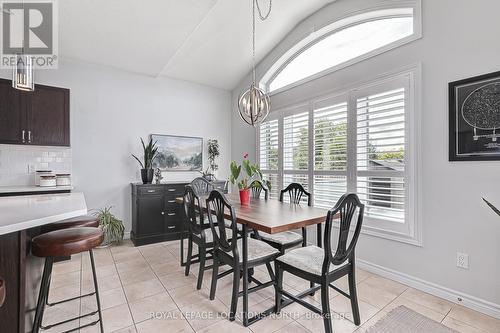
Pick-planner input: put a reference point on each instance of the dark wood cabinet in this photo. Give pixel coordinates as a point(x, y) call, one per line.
point(156, 216)
point(39, 117)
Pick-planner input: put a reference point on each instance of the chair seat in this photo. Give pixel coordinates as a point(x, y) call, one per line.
point(282, 238)
point(66, 242)
point(256, 250)
point(308, 259)
point(209, 236)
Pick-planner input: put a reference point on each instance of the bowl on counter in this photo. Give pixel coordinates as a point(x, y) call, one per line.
point(63, 179)
point(48, 181)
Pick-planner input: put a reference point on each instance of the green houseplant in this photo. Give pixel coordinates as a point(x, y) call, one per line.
point(213, 153)
point(150, 150)
point(111, 226)
point(243, 183)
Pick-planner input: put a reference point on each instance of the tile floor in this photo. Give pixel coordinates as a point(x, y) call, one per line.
point(143, 289)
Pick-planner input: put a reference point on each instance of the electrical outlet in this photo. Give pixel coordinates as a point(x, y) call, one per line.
point(462, 260)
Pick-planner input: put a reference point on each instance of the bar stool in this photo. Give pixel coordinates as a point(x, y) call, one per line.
point(61, 243)
point(79, 221)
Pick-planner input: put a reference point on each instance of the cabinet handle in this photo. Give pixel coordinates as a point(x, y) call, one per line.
point(3, 292)
point(162, 213)
point(171, 214)
point(171, 201)
point(29, 136)
point(171, 227)
point(151, 191)
point(171, 189)
point(23, 136)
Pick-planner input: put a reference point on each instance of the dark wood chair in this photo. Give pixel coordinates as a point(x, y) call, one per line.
point(286, 240)
point(201, 186)
point(257, 187)
point(323, 266)
point(199, 231)
point(228, 250)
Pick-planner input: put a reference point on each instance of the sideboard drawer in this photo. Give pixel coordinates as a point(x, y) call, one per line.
point(150, 190)
point(174, 190)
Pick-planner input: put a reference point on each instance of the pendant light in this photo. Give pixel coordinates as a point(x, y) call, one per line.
point(254, 104)
point(22, 73)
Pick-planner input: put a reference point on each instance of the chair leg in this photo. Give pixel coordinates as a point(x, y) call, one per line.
point(96, 288)
point(215, 273)
point(325, 305)
point(201, 255)
point(278, 287)
point(189, 255)
point(43, 294)
point(354, 296)
point(236, 289)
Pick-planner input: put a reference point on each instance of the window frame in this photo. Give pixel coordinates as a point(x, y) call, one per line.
point(348, 20)
point(411, 232)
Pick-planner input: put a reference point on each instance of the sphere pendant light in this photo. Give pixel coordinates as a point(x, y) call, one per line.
point(254, 103)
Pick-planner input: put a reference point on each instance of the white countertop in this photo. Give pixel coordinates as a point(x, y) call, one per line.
point(33, 188)
point(28, 211)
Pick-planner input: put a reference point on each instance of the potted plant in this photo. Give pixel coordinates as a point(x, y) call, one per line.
point(112, 227)
point(213, 153)
point(243, 184)
point(150, 151)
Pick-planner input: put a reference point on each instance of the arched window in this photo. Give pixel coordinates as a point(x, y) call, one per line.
point(342, 43)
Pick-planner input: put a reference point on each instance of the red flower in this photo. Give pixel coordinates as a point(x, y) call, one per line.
point(245, 156)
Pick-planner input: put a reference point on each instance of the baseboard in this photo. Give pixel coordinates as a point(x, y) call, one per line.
point(454, 296)
point(126, 235)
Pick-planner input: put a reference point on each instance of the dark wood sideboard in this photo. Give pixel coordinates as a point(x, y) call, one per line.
point(156, 216)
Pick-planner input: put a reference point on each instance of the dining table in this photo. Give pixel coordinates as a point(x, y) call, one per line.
point(270, 216)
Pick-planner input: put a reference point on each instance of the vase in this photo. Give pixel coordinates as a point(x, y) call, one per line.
point(147, 176)
point(245, 196)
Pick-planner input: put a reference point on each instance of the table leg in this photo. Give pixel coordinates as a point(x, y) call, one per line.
point(183, 263)
point(319, 241)
point(245, 275)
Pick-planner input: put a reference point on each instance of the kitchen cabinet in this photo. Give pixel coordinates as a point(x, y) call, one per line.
point(39, 117)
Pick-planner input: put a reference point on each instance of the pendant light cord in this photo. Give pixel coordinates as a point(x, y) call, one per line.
point(255, 3)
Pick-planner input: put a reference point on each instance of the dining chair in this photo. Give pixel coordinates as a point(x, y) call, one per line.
point(288, 239)
point(322, 265)
point(228, 250)
point(201, 186)
point(199, 232)
point(257, 187)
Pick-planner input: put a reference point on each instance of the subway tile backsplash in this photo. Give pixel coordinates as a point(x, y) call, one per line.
point(15, 161)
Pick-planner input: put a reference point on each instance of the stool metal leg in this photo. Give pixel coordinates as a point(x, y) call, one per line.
point(43, 294)
point(96, 289)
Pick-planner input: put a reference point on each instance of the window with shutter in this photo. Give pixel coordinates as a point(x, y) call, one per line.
point(268, 154)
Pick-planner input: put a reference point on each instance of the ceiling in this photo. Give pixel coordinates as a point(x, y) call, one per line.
point(203, 41)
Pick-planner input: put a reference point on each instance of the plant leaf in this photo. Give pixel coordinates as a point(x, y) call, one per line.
point(492, 207)
point(138, 160)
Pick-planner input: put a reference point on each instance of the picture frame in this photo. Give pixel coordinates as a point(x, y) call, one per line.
point(474, 118)
point(178, 153)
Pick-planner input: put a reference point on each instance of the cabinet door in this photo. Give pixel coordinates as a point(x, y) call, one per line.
point(150, 215)
point(12, 117)
point(48, 116)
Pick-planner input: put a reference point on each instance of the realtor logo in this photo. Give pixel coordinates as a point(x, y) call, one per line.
point(29, 28)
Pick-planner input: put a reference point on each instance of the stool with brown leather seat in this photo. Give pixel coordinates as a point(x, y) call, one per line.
point(79, 221)
point(61, 243)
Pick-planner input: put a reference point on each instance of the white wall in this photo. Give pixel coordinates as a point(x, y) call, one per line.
point(111, 109)
point(458, 42)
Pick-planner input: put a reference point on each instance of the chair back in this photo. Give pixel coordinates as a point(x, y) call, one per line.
point(295, 192)
point(219, 210)
point(346, 206)
point(201, 186)
point(257, 187)
point(193, 210)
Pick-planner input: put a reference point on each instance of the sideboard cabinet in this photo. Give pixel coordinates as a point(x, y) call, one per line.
point(156, 216)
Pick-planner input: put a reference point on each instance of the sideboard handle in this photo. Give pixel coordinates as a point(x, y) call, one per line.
point(171, 214)
point(171, 189)
point(171, 201)
point(3, 292)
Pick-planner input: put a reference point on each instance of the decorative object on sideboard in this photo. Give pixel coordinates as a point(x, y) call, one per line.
point(158, 176)
point(474, 117)
point(150, 152)
point(251, 170)
point(178, 153)
point(63, 179)
point(111, 226)
point(254, 104)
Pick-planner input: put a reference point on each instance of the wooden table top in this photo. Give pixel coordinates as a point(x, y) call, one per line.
point(273, 216)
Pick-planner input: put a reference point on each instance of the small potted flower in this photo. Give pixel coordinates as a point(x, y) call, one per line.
point(243, 183)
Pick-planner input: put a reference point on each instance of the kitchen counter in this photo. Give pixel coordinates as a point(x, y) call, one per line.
point(25, 212)
point(33, 189)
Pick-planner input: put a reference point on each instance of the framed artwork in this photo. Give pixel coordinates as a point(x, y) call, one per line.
point(178, 153)
point(474, 128)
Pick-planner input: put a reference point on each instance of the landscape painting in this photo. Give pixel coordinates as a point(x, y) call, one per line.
point(178, 153)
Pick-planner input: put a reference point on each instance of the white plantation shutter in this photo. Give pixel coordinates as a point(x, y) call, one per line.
point(330, 152)
point(296, 141)
point(268, 143)
point(380, 156)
